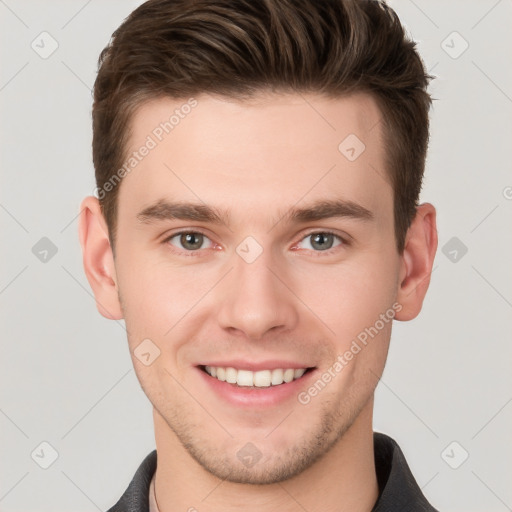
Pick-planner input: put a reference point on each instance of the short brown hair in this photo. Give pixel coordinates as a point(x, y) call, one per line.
point(237, 48)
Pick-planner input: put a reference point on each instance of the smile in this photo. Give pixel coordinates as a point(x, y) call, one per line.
point(260, 379)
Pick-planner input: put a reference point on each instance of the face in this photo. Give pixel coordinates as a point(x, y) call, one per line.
point(281, 254)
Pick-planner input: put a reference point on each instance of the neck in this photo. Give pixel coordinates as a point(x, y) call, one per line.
point(343, 480)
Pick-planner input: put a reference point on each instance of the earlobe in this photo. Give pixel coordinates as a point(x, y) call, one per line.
point(417, 261)
point(98, 259)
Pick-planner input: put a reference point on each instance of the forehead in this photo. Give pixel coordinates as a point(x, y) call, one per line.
point(274, 149)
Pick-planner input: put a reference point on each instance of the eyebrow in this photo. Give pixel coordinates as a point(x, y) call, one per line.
point(323, 209)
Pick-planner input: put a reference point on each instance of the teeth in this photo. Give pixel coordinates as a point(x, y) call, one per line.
point(259, 379)
point(231, 375)
point(298, 373)
point(277, 377)
point(244, 378)
point(262, 379)
point(288, 375)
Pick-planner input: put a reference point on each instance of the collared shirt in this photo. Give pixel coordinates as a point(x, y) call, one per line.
point(398, 490)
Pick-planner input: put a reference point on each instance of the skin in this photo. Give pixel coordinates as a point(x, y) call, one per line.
point(258, 159)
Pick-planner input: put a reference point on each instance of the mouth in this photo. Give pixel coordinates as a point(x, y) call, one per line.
point(261, 379)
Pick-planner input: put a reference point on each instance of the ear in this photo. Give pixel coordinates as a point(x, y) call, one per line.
point(98, 259)
point(417, 260)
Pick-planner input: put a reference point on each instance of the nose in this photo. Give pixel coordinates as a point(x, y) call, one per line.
point(256, 299)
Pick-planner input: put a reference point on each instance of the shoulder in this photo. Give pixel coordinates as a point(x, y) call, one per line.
point(136, 496)
point(398, 489)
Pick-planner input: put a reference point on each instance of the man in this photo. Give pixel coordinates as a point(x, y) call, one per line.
point(257, 226)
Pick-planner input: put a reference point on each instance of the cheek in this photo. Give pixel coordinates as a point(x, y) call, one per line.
point(351, 296)
point(157, 296)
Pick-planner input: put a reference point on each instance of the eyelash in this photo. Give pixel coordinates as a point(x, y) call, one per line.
point(344, 241)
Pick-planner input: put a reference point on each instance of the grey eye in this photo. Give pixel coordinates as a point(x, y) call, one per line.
point(321, 241)
point(188, 240)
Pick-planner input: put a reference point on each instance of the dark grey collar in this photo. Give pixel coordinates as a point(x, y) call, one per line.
point(398, 490)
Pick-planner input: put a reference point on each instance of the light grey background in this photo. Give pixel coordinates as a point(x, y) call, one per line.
point(66, 374)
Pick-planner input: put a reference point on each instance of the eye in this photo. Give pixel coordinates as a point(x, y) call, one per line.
point(190, 241)
point(322, 241)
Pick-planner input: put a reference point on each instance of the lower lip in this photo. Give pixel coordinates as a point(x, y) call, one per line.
point(256, 397)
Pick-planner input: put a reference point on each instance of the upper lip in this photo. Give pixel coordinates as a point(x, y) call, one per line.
point(254, 366)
